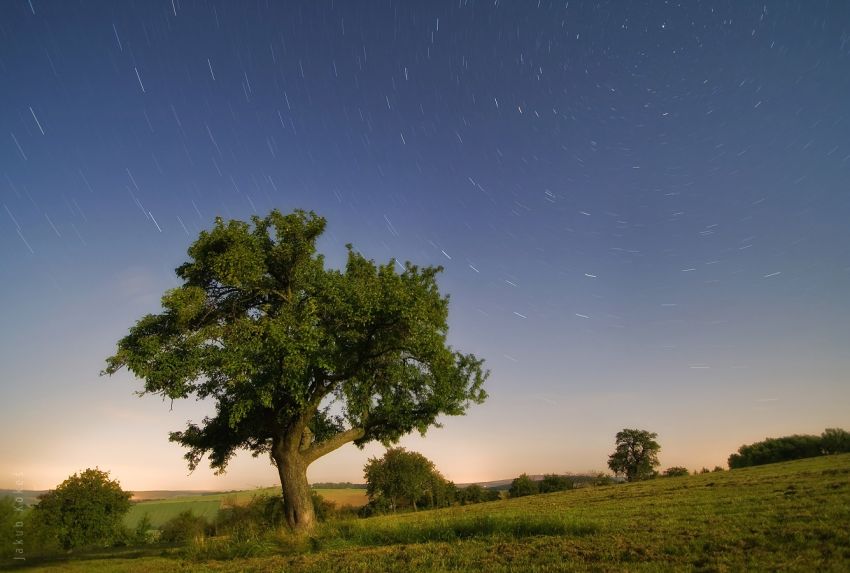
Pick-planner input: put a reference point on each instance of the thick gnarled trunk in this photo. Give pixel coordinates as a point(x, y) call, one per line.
point(292, 454)
point(297, 501)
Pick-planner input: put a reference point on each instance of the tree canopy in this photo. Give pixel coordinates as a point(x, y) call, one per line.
point(402, 478)
point(636, 454)
point(299, 359)
point(85, 509)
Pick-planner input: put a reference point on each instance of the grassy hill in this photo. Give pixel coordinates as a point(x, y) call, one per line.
point(792, 516)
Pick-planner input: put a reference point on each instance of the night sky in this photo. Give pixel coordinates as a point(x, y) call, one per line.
point(642, 209)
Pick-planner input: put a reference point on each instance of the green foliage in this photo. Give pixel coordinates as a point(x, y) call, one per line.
point(475, 493)
point(472, 493)
point(184, 527)
point(84, 510)
point(835, 441)
point(11, 530)
point(261, 327)
point(144, 531)
point(522, 486)
point(247, 522)
point(404, 479)
point(324, 508)
point(554, 482)
point(676, 471)
point(772, 450)
point(636, 455)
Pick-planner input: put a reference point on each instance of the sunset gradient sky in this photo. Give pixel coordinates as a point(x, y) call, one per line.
point(642, 210)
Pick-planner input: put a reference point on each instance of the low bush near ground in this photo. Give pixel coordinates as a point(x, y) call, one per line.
point(185, 527)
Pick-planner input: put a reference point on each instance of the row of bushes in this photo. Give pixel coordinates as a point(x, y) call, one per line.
point(239, 522)
point(786, 448)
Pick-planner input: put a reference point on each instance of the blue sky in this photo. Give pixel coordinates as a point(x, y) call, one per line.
point(641, 209)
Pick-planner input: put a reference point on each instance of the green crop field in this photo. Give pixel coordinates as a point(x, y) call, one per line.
point(208, 504)
point(792, 516)
point(161, 511)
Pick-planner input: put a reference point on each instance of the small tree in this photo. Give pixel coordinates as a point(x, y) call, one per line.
point(636, 456)
point(676, 471)
point(835, 441)
point(402, 477)
point(299, 359)
point(85, 509)
point(522, 486)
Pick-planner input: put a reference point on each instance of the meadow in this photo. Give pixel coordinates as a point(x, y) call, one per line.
point(792, 516)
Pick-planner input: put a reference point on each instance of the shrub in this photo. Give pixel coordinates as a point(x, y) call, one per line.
point(522, 486)
point(184, 527)
point(142, 532)
point(835, 441)
point(85, 509)
point(554, 482)
point(772, 450)
point(676, 471)
point(324, 508)
point(9, 516)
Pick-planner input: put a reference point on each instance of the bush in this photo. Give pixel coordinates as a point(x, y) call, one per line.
point(676, 471)
point(324, 508)
point(9, 517)
point(522, 486)
point(184, 527)
point(774, 450)
point(144, 532)
point(554, 482)
point(377, 506)
point(835, 441)
point(84, 510)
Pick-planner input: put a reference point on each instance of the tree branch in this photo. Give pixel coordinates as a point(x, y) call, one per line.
point(318, 450)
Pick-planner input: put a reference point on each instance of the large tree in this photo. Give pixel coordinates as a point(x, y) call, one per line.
point(636, 456)
point(299, 359)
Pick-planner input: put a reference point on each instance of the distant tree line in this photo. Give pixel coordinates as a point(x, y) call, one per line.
point(337, 485)
point(797, 446)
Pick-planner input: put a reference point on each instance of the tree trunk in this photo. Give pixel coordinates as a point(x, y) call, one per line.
point(297, 501)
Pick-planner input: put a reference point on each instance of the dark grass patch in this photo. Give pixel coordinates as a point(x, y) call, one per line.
point(454, 529)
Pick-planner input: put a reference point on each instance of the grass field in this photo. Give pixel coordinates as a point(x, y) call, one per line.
point(207, 505)
point(793, 516)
